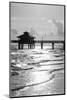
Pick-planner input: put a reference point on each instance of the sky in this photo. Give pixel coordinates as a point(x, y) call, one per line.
point(42, 21)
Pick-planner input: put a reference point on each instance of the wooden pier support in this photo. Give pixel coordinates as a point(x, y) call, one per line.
point(64, 45)
point(22, 45)
point(41, 44)
point(52, 45)
point(18, 45)
point(28, 46)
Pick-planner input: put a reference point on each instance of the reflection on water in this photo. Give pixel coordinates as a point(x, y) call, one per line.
point(37, 72)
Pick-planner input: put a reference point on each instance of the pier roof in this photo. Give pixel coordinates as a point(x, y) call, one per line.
point(26, 35)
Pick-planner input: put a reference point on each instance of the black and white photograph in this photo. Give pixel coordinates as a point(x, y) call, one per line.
point(37, 49)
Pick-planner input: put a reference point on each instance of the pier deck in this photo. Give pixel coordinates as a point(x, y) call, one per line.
point(41, 42)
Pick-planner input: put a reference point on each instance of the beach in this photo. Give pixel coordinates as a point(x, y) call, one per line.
point(37, 71)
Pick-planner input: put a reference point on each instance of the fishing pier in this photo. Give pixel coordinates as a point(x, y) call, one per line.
point(29, 40)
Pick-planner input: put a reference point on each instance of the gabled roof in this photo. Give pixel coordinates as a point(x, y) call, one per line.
point(25, 35)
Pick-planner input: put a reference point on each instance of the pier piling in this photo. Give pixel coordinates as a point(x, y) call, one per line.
point(52, 45)
point(41, 44)
point(18, 45)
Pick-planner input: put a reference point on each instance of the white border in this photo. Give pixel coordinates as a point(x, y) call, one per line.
point(4, 49)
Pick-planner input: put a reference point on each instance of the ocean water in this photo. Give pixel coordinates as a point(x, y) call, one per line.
point(37, 71)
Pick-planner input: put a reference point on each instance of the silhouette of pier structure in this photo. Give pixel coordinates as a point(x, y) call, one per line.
point(27, 39)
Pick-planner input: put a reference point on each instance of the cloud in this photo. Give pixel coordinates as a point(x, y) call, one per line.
point(59, 26)
point(14, 34)
point(41, 27)
point(14, 31)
